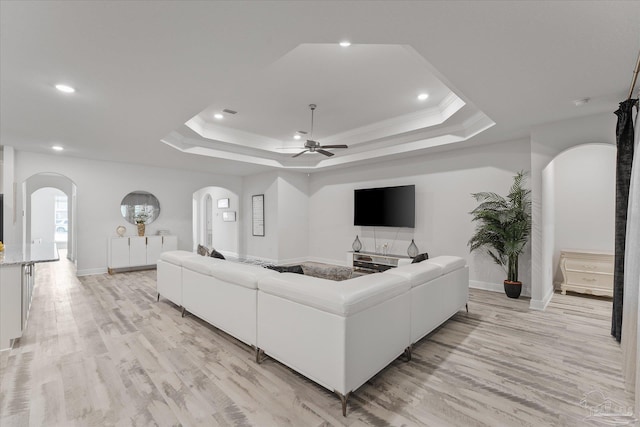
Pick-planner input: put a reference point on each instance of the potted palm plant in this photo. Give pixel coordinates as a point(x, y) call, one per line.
point(503, 228)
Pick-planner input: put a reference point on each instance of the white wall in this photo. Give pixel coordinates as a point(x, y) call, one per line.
point(444, 183)
point(584, 199)
point(43, 214)
point(293, 217)
point(266, 247)
point(11, 235)
point(100, 189)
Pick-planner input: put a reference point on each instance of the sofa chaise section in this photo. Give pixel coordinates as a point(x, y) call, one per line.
point(439, 289)
point(338, 334)
point(223, 294)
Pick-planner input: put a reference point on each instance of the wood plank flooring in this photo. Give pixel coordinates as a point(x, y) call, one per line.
point(100, 351)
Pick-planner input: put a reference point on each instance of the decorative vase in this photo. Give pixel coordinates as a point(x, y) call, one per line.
point(512, 289)
point(413, 251)
point(140, 229)
point(120, 230)
point(356, 245)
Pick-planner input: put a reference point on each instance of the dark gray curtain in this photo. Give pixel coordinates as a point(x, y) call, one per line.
point(624, 141)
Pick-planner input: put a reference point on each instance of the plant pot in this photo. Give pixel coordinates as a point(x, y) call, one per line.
point(512, 289)
point(141, 230)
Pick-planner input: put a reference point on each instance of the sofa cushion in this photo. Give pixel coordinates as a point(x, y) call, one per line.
point(216, 254)
point(418, 273)
point(420, 258)
point(202, 250)
point(341, 298)
point(245, 275)
point(201, 264)
point(176, 257)
point(448, 263)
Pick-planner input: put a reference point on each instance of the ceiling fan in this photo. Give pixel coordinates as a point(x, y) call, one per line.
point(312, 146)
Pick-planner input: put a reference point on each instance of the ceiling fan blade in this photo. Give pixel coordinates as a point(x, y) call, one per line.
point(335, 146)
point(326, 153)
point(300, 153)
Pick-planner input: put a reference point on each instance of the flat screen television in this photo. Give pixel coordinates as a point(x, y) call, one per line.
point(385, 207)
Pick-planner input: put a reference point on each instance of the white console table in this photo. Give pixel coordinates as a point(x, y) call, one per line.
point(138, 252)
point(374, 263)
point(587, 272)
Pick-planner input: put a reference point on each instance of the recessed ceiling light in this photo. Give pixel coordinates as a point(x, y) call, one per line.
point(423, 96)
point(65, 88)
point(296, 136)
point(345, 43)
point(57, 148)
point(218, 116)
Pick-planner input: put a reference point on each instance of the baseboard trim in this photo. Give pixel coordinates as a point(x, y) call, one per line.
point(541, 305)
point(486, 286)
point(91, 271)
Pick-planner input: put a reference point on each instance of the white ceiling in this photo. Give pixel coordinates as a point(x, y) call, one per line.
point(152, 71)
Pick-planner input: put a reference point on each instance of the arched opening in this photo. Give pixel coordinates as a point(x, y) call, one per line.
point(578, 204)
point(49, 204)
point(49, 216)
point(215, 214)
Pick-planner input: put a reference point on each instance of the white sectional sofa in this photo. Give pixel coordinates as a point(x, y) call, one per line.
point(338, 334)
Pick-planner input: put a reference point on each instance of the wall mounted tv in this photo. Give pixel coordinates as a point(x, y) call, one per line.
point(385, 207)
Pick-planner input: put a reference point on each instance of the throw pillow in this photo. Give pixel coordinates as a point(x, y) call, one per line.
point(202, 250)
point(286, 269)
point(420, 258)
point(216, 254)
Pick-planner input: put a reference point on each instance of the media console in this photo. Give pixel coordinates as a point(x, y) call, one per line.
point(370, 262)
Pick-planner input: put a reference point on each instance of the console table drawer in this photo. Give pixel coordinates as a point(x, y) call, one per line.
point(589, 265)
point(593, 280)
point(587, 272)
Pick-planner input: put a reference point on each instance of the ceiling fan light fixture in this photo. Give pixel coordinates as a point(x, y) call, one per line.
point(312, 146)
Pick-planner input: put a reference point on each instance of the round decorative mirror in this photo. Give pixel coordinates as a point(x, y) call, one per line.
point(140, 207)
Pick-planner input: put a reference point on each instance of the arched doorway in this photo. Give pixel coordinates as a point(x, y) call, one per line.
point(578, 204)
point(215, 216)
point(54, 194)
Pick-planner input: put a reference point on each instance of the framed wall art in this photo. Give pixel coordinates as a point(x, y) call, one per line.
point(257, 214)
point(229, 216)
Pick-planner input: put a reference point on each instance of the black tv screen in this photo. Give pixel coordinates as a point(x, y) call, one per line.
point(385, 207)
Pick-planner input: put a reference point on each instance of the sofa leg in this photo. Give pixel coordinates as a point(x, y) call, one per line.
point(343, 399)
point(259, 355)
point(158, 298)
point(184, 311)
point(407, 353)
point(467, 307)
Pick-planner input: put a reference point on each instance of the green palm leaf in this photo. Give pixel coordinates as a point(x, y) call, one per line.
point(503, 225)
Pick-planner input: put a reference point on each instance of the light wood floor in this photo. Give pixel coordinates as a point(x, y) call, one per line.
point(101, 351)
